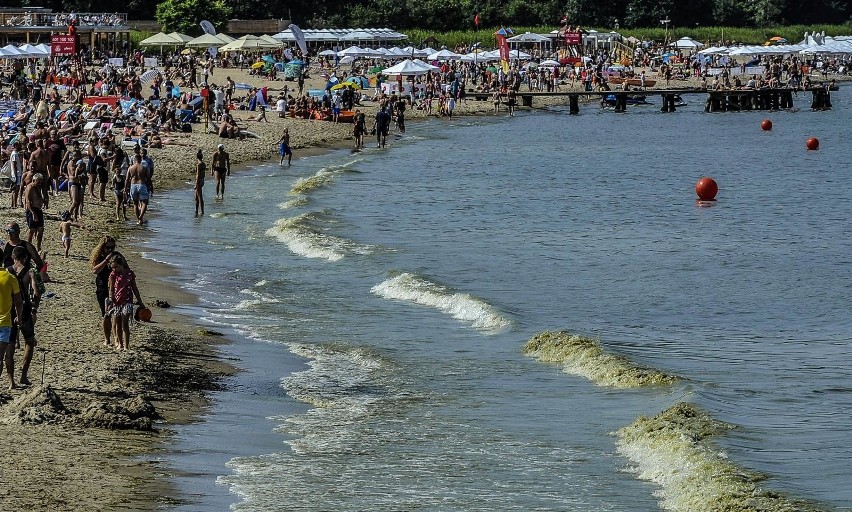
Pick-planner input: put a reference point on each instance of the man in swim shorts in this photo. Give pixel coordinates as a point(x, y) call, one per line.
point(35, 215)
point(137, 183)
point(220, 168)
point(284, 147)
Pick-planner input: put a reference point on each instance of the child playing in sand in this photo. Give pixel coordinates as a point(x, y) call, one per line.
point(65, 229)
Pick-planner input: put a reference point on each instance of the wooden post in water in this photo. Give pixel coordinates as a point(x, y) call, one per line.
point(526, 100)
point(574, 104)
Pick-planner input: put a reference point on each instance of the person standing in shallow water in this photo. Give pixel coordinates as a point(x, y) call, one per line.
point(284, 147)
point(221, 167)
point(200, 171)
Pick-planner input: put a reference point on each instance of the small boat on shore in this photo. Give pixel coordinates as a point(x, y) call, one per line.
point(633, 82)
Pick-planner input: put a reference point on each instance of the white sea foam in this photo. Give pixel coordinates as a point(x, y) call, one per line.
point(321, 178)
point(293, 203)
point(674, 450)
point(461, 306)
point(303, 236)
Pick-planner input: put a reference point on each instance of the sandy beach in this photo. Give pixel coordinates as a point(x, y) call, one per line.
point(75, 437)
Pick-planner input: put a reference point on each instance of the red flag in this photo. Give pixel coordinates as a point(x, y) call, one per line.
point(503, 45)
point(476, 20)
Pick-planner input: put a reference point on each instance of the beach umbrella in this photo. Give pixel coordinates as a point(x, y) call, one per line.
point(343, 85)
point(550, 63)
point(148, 76)
point(161, 39)
point(205, 41)
point(270, 39)
point(327, 53)
point(407, 67)
point(347, 60)
point(183, 38)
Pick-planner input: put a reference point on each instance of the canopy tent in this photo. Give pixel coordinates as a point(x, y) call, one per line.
point(687, 43)
point(247, 43)
point(528, 37)
point(426, 65)
point(205, 41)
point(183, 38)
point(549, 63)
point(353, 51)
point(270, 39)
point(410, 51)
point(444, 55)
point(11, 51)
point(34, 51)
point(162, 39)
point(327, 53)
point(407, 67)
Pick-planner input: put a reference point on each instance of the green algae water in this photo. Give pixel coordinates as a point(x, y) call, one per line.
point(530, 314)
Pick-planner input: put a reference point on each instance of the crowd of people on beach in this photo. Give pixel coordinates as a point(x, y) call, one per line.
point(72, 129)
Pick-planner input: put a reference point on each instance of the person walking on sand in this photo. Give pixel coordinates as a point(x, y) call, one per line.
point(24, 325)
point(118, 181)
point(137, 183)
point(284, 147)
point(122, 289)
point(200, 172)
point(65, 230)
point(10, 295)
point(220, 168)
point(99, 263)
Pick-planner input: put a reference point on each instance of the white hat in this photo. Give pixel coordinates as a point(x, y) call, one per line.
point(221, 146)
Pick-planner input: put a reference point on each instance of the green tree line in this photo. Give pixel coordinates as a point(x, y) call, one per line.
point(445, 15)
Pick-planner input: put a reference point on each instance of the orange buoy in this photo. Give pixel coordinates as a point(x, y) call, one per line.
point(706, 188)
point(812, 143)
point(766, 125)
point(143, 314)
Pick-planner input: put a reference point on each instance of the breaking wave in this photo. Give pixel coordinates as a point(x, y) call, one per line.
point(461, 306)
point(585, 357)
point(673, 450)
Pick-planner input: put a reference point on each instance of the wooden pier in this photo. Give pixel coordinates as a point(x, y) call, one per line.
point(733, 100)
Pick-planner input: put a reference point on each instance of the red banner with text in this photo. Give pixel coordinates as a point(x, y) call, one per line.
point(62, 45)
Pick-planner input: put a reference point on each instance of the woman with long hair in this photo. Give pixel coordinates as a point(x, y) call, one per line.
point(200, 171)
point(99, 261)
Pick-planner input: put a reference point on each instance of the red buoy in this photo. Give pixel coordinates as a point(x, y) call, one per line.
point(766, 125)
point(706, 188)
point(812, 143)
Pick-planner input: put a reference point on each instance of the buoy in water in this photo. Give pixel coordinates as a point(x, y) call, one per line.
point(706, 188)
point(766, 125)
point(812, 143)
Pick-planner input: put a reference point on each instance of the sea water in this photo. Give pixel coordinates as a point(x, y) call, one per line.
point(529, 313)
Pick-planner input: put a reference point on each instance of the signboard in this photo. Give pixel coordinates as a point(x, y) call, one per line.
point(116, 62)
point(62, 45)
point(150, 62)
point(573, 38)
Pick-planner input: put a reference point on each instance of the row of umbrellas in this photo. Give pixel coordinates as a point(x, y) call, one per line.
point(427, 53)
point(25, 51)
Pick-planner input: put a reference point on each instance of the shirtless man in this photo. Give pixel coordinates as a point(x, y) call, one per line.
point(34, 202)
point(137, 184)
point(221, 167)
point(56, 150)
point(40, 157)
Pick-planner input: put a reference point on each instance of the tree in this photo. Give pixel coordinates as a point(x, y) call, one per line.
point(184, 15)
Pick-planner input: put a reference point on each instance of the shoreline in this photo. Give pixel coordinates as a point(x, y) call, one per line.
point(173, 365)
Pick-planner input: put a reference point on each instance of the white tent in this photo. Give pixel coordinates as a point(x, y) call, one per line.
point(444, 55)
point(687, 43)
point(410, 51)
point(327, 53)
point(426, 65)
point(528, 37)
point(353, 51)
point(12, 52)
point(205, 41)
point(407, 67)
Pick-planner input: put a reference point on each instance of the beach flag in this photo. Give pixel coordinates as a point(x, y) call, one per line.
point(300, 38)
point(208, 28)
point(476, 20)
point(503, 45)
